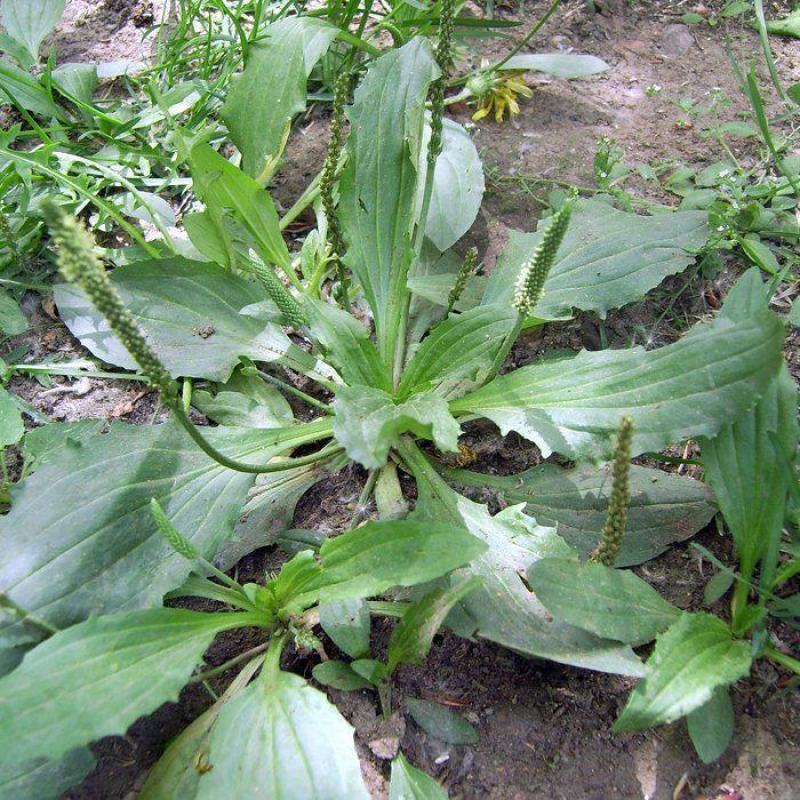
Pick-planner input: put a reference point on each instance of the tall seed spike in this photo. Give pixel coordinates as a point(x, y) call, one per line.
point(532, 276)
point(444, 57)
point(467, 266)
point(176, 540)
point(79, 265)
point(614, 529)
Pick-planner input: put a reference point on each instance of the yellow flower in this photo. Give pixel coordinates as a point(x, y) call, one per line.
point(499, 93)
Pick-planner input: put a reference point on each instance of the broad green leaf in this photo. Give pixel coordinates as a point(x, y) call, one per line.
point(561, 65)
point(263, 100)
point(11, 425)
point(16, 50)
point(664, 508)
point(458, 352)
point(45, 779)
point(711, 726)
point(79, 80)
point(280, 738)
point(347, 345)
point(439, 721)
point(237, 410)
point(747, 473)
point(411, 640)
point(788, 26)
point(225, 188)
point(18, 86)
point(693, 658)
point(12, 320)
point(191, 314)
point(379, 184)
point(504, 610)
point(686, 389)
point(371, 559)
point(608, 258)
point(368, 422)
point(458, 188)
point(339, 675)
point(29, 21)
point(269, 510)
point(97, 678)
point(410, 783)
point(92, 548)
point(177, 773)
point(612, 603)
point(347, 622)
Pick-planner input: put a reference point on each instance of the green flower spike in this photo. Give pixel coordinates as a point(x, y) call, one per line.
point(79, 265)
point(279, 294)
point(467, 266)
point(443, 59)
point(532, 276)
point(340, 94)
point(611, 537)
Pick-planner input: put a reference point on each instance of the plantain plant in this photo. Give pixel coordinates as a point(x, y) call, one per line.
point(392, 343)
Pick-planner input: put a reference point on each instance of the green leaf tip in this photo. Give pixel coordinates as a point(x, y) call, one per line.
point(614, 529)
point(79, 265)
point(534, 272)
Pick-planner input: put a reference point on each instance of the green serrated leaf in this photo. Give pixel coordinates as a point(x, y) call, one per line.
point(609, 602)
point(373, 558)
point(748, 476)
point(693, 658)
point(379, 184)
point(711, 726)
point(96, 678)
point(339, 675)
point(608, 258)
point(347, 622)
point(12, 427)
point(191, 313)
point(410, 783)
point(45, 779)
point(93, 547)
point(458, 352)
point(665, 508)
point(177, 773)
point(411, 640)
point(282, 738)
point(29, 21)
point(458, 188)
point(368, 422)
point(504, 610)
point(439, 721)
point(263, 100)
point(690, 388)
point(561, 65)
point(12, 320)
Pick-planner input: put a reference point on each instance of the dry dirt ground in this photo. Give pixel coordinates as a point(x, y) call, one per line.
point(545, 730)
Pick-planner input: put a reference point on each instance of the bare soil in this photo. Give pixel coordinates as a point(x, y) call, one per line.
point(545, 729)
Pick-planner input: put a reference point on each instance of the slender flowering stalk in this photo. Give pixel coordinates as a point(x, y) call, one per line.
point(78, 264)
point(443, 59)
point(467, 266)
point(614, 529)
point(340, 94)
point(532, 276)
